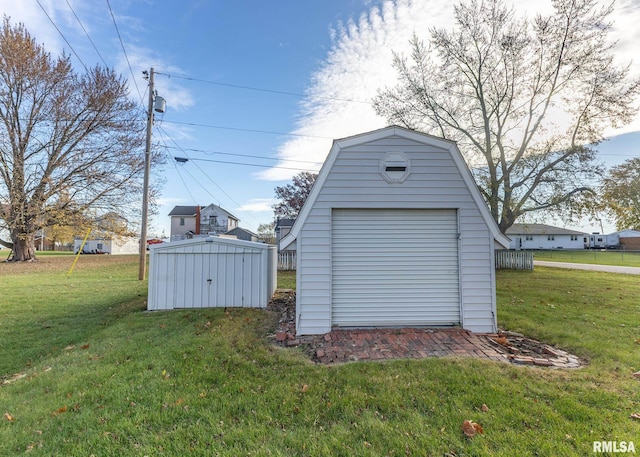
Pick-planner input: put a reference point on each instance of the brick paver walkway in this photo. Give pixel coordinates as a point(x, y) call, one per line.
point(415, 343)
point(340, 346)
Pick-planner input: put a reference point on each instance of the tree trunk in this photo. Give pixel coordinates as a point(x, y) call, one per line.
point(24, 247)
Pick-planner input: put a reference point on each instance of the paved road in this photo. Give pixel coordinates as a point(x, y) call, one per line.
point(586, 266)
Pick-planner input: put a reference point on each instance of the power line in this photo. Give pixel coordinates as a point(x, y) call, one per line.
point(192, 124)
point(62, 35)
point(86, 33)
point(250, 164)
point(125, 52)
point(210, 179)
point(241, 155)
point(271, 91)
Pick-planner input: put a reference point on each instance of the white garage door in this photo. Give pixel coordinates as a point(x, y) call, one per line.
point(395, 268)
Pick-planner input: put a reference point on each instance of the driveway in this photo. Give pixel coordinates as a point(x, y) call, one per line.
point(586, 266)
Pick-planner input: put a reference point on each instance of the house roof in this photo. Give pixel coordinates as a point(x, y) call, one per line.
point(627, 233)
point(184, 211)
point(237, 230)
point(193, 210)
point(285, 223)
point(540, 229)
point(221, 209)
point(412, 135)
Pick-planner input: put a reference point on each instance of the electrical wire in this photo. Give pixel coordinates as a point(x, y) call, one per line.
point(192, 124)
point(241, 155)
point(125, 52)
point(252, 164)
point(271, 91)
point(86, 33)
point(212, 181)
point(62, 35)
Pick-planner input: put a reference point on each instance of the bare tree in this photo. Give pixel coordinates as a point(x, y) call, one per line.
point(69, 143)
point(292, 196)
point(526, 100)
point(267, 232)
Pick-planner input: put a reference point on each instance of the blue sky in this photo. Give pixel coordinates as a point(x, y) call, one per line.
point(223, 65)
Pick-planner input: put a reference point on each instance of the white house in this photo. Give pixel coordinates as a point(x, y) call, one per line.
point(109, 245)
point(395, 233)
point(541, 236)
point(187, 221)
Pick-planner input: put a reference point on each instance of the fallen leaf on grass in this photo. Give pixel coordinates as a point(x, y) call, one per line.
point(636, 374)
point(85, 346)
point(60, 411)
point(9, 417)
point(68, 348)
point(305, 387)
point(635, 416)
point(470, 428)
point(484, 408)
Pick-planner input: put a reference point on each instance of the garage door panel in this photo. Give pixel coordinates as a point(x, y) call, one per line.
point(395, 267)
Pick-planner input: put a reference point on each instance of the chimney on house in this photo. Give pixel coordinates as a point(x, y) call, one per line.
point(197, 219)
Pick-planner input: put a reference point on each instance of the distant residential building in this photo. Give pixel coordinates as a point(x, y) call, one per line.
point(187, 221)
point(282, 229)
point(542, 236)
point(243, 234)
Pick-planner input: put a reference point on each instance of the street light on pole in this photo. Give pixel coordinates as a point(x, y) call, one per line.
point(159, 107)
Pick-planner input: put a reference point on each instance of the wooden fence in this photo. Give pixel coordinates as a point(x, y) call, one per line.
point(514, 260)
point(287, 260)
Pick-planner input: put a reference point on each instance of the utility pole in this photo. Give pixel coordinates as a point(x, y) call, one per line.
point(142, 272)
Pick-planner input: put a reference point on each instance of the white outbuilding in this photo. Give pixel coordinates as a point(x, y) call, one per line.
point(395, 233)
point(211, 272)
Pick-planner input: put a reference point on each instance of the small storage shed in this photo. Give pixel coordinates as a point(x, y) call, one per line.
point(395, 233)
point(211, 272)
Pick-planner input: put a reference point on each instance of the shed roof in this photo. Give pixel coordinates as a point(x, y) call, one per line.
point(401, 132)
point(177, 245)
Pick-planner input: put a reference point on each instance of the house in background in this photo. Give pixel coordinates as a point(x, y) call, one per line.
point(395, 233)
point(187, 221)
point(282, 229)
point(541, 236)
point(112, 245)
point(624, 239)
point(243, 234)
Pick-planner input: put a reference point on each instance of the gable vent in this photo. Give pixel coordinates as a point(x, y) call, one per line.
point(394, 167)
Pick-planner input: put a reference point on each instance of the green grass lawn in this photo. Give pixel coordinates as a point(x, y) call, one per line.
point(620, 258)
point(87, 371)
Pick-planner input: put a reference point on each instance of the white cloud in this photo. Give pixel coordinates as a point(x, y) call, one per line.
point(359, 64)
point(258, 205)
point(99, 24)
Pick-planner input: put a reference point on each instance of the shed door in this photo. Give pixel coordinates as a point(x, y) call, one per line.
point(395, 268)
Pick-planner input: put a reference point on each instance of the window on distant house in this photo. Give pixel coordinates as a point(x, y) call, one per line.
point(550, 237)
point(213, 220)
point(182, 221)
point(529, 238)
point(574, 237)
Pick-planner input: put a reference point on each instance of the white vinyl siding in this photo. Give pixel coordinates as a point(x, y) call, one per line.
point(210, 273)
point(353, 181)
point(390, 275)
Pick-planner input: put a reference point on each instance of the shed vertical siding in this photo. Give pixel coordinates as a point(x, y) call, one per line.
point(213, 272)
point(354, 181)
